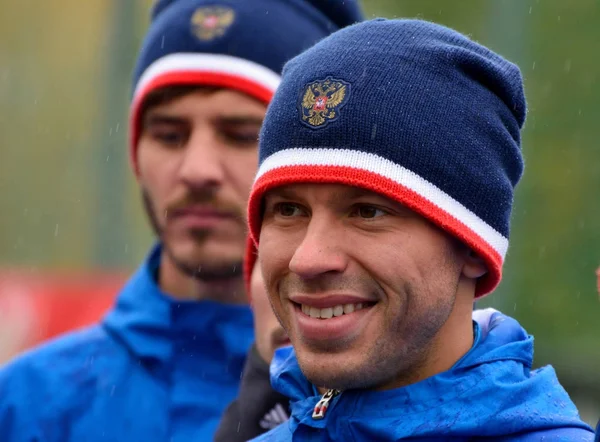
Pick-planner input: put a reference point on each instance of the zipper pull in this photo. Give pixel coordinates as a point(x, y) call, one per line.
point(321, 407)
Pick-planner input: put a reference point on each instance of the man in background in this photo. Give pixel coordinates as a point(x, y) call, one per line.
point(166, 361)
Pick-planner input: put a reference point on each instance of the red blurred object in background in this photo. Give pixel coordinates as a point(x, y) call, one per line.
point(35, 307)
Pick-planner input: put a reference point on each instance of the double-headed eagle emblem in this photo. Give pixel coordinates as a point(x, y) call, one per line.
point(322, 100)
point(211, 21)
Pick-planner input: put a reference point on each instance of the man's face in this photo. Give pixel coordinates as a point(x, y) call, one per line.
point(361, 284)
point(197, 158)
point(267, 329)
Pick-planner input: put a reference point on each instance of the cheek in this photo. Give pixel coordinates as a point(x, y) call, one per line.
point(147, 158)
point(417, 264)
point(275, 250)
point(384, 258)
point(426, 270)
point(157, 171)
point(242, 169)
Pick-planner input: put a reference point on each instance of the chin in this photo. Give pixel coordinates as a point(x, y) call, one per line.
point(198, 263)
point(329, 370)
point(336, 377)
point(206, 253)
point(364, 367)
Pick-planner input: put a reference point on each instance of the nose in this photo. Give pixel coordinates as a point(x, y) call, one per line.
point(321, 250)
point(202, 163)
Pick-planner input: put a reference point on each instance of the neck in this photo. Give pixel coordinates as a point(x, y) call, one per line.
point(454, 340)
point(183, 287)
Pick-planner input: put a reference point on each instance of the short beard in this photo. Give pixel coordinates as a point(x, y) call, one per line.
point(388, 364)
point(201, 272)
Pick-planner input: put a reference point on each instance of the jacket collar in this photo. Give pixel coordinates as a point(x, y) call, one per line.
point(153, 325)
point(488, 391)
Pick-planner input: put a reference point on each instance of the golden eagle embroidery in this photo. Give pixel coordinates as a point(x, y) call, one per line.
point(211, 21)
point(322, 101)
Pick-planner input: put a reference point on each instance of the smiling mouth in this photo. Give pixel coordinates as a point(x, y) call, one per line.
point(332, 312)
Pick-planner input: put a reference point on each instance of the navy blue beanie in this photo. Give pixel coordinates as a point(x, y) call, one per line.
point(237, 44)
point(409, 109)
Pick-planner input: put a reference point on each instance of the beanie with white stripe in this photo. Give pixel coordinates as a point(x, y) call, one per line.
point(235, 44)
point(411, 110)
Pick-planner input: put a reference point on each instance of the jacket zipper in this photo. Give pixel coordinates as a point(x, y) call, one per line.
point(323, 404)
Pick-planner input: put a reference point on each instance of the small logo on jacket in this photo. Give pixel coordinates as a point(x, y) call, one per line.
point(276, 416)
point(210, 22)
point(322, 100)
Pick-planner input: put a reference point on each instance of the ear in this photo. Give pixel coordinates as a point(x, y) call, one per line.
point(474, 267)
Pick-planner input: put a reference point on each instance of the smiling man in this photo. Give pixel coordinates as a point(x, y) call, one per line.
point(167, 359)
point(381, 209)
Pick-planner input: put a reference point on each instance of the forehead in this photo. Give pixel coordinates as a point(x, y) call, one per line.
point(324, 193)
point(193, 100)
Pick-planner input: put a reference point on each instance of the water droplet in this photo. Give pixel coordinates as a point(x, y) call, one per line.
point(373, 131)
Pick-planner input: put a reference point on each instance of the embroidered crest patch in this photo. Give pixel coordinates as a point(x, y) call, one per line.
point(322, 100)
point(210, 22)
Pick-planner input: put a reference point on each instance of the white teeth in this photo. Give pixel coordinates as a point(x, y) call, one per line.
point(326, 313)
point(330, 312)
point(315, 312)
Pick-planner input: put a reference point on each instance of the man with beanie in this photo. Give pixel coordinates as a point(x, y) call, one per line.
point(258, 408)
point(387, 165)
point(167, 360)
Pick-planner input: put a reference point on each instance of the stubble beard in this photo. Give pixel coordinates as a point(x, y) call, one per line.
point(386, 361)
point(204, 271)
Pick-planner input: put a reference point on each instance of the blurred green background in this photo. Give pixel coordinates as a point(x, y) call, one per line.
point(69, 202)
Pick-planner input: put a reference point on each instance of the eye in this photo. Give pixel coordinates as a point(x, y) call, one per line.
point(242, 137)
point(170, 138)
point(368, 212)
point(287, 210)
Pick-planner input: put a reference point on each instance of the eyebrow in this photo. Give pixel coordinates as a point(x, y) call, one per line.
point(236, 120)
point(281, 193)
point(358, 192)
point(351, 194)
point(156, 119)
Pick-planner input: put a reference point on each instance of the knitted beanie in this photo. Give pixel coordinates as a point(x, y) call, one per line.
point(236, 44)
point(411, 110)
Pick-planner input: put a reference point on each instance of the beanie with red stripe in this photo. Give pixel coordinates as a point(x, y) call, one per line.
point(236, 44)
point(411, 110)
